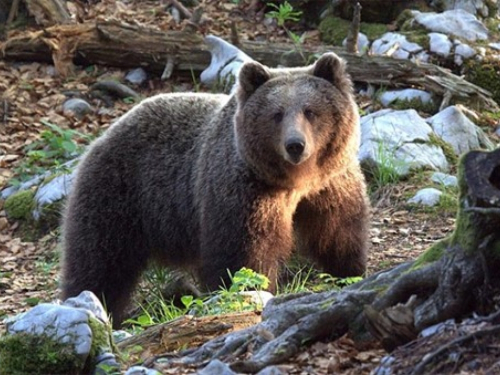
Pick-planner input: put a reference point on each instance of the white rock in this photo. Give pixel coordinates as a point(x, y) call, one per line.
point(363, 43)
point(464, 50)
point(495, 46)
point(226, 61)
point(88, 301)
point(422, 56)
point(454, 127)
point(440, 44)
point(53, 191)
point(456, 22)
point(394, 44)
point(66, 323)
point(400, 138)
point(471, 6)
point(388, 97)
point(444, 179)
point(141, 370)
point(427, 197)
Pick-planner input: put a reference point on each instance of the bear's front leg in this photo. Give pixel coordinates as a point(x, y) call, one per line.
point(241, 232)
point(332, 229)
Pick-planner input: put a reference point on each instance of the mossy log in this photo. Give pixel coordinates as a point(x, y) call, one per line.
point(453, 279)
point(112, 43)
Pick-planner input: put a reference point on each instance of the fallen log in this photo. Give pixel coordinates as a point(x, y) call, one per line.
point(112, 43)
point(454, 278)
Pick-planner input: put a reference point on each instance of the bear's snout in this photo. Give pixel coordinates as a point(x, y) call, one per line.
point(295, 149)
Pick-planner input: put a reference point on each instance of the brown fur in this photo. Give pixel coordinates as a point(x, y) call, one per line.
point(207, 182)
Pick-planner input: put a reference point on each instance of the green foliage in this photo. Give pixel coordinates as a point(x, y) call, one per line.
point(29, 354)
point(283, 13)
point(225, 300)
point(55, 146)
point(19, 205)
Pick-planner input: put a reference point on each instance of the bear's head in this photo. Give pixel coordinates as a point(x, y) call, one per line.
point(295, 127)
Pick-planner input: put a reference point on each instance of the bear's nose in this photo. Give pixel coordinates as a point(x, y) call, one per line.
point(295, 147)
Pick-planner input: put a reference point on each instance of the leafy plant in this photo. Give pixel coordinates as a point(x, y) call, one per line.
point(223, 301)
point(283, 13)
point(55, 146)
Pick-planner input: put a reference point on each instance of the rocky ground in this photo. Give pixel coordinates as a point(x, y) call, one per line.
point(31, 93)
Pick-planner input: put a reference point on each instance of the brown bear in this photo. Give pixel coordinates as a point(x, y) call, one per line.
point(212, 183)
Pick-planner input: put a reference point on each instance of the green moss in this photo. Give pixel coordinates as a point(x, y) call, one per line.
point(333, 30)
point(404, 20)
point(420, 37)
point(433, 253)
point(29, 354)
point(486, 74)
point(373, 30)
point(20, 204)
point(448, 150)
point(102, 341)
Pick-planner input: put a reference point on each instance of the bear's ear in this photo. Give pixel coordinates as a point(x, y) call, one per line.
point(252, 75)
point(332, 68)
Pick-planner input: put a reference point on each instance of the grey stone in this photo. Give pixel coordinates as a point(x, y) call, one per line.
point(52, 191)
point(495, 46)
point(453, 22)
point(216, 367)
point(427, 197)
point(76, 106)
point(463, 52)
point(137, 76)
point(271, 370)
point(66, 323)
point(388, 97)
point(400, 138)
point(141, 370)
point(444, 179)
point(440, 44)
point(474, 7)
point(454, 127)
point(226, 61)
point(394, 44)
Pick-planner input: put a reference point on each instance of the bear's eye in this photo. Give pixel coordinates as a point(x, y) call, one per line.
point(278, 117)
point(310, 115)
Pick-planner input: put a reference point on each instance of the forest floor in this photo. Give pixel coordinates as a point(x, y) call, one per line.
point(31, 93)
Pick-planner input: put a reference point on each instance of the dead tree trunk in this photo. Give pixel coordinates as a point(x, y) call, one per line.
point(116, 44)
point(452, 279)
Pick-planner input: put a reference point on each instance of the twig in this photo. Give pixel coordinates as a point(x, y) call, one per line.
point(235, 39)
point(352, 36)
point(169, 68)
